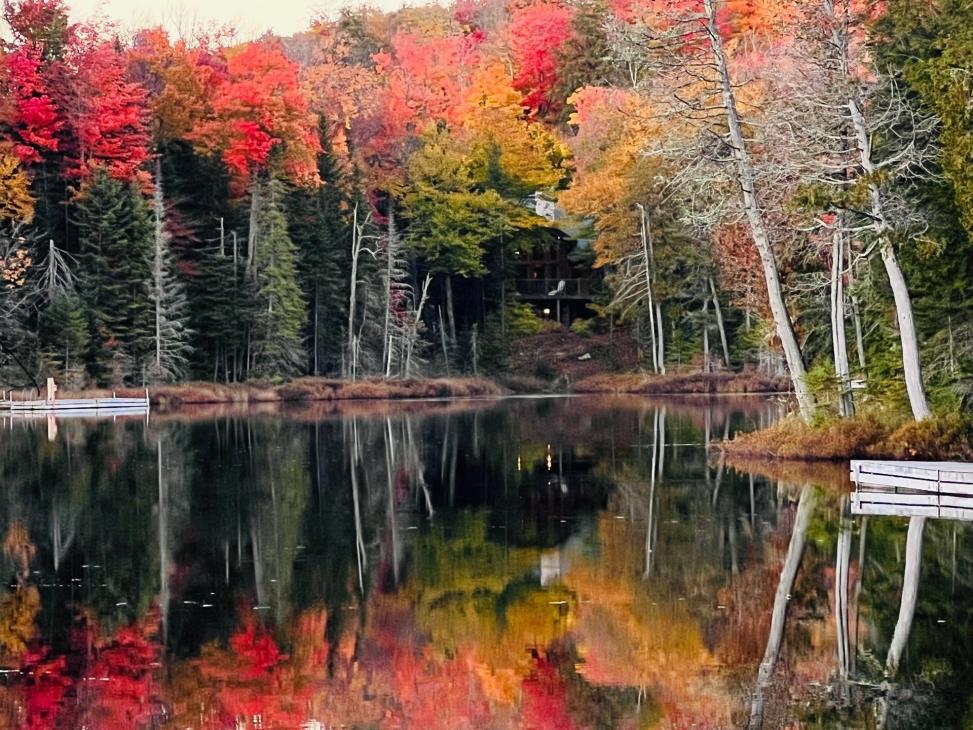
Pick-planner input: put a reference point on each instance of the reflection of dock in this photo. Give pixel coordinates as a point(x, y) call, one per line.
point(913, 489)
point(87, 407)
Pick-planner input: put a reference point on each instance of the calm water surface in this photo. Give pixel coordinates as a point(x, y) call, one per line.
point(525, 563)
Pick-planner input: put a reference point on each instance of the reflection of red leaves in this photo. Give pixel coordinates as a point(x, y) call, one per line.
point(119, 690)
point(545, 705)
point(256, 648)
point(44, 687)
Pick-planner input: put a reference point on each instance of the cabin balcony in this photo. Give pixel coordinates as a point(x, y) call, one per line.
point(553, 289)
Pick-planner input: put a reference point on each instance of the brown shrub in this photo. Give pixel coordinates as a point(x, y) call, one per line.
point(947, 437)
point(681, 383)
point(940, 438)
point(791, 438)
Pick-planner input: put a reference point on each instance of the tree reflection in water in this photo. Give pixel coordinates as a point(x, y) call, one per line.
point(523, 563)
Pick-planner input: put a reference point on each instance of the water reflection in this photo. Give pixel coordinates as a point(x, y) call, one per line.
point(545, 563)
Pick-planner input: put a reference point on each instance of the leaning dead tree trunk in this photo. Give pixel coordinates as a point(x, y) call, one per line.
point(900, 291)
point(795, 550)
point(746, 178)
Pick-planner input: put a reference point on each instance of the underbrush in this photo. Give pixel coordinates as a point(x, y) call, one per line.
point(301, 390)
point(941, 437)
point(681, 383)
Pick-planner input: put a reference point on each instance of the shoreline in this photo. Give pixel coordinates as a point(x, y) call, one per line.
point(315, 389)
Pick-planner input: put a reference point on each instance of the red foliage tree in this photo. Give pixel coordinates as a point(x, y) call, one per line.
point(259, 117)
point(34, 121)
point(537, 33)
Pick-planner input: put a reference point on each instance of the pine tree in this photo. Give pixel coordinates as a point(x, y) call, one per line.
point(279, 308)
point(115, 233)
point(171, 338)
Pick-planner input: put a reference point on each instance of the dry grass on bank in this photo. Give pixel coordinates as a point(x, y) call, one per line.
point(682, 384)
point(301, 390)
point(940, 438)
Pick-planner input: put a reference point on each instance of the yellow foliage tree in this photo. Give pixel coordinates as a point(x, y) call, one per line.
point(16, 202)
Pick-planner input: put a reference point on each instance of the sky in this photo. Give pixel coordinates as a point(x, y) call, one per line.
point(251, 18)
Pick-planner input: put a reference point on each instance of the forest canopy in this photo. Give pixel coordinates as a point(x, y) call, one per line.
point(773, 185)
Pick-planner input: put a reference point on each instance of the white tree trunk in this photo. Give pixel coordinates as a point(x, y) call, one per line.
point(758, 229)
point(647, 260)
point(660, 340)
point(907, 333)
point(706, 363)
point(386, 333)
point(158, 262)
point(719, 323)
point(355, 250)
point(253, 224)
point(839, 346)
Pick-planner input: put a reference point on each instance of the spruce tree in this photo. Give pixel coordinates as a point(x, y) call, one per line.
point(171, 336)
point(115, 234)
point(63, 333)
point(279, 308)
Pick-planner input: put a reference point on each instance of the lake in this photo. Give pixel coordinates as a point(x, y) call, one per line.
point(514, 563)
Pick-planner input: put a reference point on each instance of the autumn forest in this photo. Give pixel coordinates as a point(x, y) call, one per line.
point(740, 184)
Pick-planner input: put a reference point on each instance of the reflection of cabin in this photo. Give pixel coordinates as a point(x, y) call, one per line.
point(546, 278)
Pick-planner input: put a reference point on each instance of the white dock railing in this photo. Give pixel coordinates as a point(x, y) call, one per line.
point(913, 488)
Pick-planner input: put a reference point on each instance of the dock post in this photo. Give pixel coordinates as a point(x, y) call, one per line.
point(51, 390)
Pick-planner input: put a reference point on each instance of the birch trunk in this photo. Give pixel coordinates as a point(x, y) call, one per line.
point(758, 229)
point(900, 291)
point(792, 561)
point(839, 343)
point(719, 322)
point(355, 246)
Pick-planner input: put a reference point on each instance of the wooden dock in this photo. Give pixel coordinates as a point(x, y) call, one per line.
point(941, 489)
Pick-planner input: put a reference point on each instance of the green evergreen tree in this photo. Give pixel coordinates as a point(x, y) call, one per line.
point(115, 232)
point(207, 248)
point(63, 332)
point(279, 309)
point(319, 225)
